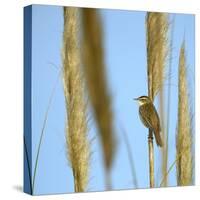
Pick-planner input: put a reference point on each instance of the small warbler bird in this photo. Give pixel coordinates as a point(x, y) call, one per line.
point(149, 117)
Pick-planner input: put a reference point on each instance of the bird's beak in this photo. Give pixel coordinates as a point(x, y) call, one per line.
point(135, 99)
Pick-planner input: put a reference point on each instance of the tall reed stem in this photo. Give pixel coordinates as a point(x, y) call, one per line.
point(150, 137)
point(151, 158)
point(156, 33)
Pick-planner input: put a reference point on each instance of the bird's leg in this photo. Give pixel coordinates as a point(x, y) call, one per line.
point(150, 136)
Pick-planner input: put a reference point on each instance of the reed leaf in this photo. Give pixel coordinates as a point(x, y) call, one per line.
point(76, 125)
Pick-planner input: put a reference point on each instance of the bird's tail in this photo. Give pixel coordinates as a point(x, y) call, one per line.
point(158, 138)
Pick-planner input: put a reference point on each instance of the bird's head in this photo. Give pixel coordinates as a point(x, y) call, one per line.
point(143, 100)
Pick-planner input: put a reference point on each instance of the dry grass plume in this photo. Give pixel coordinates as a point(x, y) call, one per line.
point(76, 125)
point(157, 50)
point(184, 135)
point(93, 60)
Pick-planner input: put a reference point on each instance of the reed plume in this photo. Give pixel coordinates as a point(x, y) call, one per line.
point(76, 125)
point(93, 61)
point(157, 49)
point(184, 135)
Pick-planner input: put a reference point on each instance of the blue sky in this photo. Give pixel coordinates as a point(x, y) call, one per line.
point(125, 58)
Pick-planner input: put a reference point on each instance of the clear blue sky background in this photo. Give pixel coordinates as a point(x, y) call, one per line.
point(125, 57)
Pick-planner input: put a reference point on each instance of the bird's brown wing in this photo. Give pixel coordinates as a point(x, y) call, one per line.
point(150, 119)
point(144, 116)
point(149, 116)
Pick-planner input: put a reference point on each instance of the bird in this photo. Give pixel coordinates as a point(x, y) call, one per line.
point(150, 117)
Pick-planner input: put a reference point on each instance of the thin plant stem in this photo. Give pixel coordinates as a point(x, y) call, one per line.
point(167, 173)
point(170, 168)
point(169, 99)
point(28, 166)
point(42, 132)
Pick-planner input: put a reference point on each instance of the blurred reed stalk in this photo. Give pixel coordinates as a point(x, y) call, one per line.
point(184, 135)
point(157, 49)
point(95, 72)
point(130, 157)
point(76, 125)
